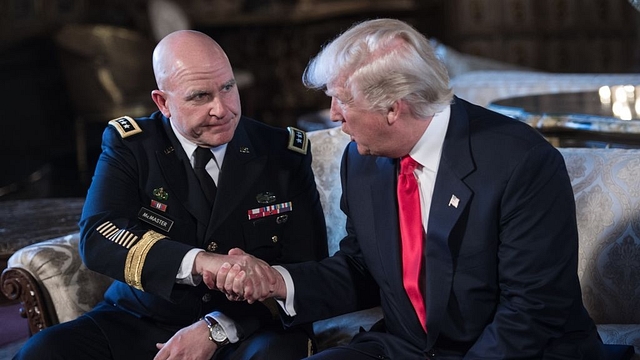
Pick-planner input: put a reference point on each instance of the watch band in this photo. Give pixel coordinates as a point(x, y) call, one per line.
point(216, 332)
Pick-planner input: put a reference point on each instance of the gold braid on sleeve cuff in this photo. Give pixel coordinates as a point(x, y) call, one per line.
point(136, 257)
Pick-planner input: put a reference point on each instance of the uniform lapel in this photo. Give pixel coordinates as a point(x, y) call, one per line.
point(176, 170)
point(450, 199)
point(241, 168)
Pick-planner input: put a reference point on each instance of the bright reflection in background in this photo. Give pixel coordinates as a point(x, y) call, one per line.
point(605, 94)
point(623, 99)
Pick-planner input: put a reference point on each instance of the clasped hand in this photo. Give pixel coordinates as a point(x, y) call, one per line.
point(243, 277)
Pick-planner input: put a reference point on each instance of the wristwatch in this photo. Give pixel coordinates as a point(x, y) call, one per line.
point(216, 332)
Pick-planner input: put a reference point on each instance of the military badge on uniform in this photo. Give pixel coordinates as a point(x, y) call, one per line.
point(158, 205)
point(266, 197)
point(160, 194)
point(212, 247)
point(270, 210)
point(297, 140)
point(126, 126)
point(119, 236)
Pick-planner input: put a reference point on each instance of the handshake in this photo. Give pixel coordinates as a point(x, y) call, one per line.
point(240, 276)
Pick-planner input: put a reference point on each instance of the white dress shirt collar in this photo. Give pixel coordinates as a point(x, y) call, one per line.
point(428, 149)
point(189, 148)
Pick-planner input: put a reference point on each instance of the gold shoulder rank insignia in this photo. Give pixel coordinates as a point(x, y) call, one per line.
point(297, 140)
point(126, 126)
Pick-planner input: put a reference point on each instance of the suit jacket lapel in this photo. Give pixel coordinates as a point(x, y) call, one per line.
point(450, 199)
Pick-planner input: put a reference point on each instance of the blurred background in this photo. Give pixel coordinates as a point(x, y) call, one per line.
point(69, 66)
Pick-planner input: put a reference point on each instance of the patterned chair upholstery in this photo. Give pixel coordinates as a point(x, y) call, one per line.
point(52, 283)
point(54, 286)
point(606, 186)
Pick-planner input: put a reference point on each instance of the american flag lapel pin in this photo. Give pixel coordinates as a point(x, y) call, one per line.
point(454, 201)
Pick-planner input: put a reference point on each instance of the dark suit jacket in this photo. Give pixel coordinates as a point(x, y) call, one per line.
point(501, 266)
point(151, 166)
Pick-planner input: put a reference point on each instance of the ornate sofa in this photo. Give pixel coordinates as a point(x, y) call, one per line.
point(54, 286)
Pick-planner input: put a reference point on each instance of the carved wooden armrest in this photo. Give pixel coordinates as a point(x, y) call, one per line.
point(51, 282)
point(18, 284)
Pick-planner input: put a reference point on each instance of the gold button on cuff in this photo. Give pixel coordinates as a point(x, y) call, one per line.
point(212, 247)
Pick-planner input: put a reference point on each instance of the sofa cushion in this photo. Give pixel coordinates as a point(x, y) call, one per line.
point(341, 329)
point(628, 334)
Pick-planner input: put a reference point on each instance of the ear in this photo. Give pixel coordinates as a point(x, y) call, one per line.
point(394, 111)
point(160, 98)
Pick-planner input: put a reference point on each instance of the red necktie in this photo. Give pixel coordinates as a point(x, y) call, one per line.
point(412, 235)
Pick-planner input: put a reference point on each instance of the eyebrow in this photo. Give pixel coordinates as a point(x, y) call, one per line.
point(230, 82)
point(336, 92)
point(191, 95)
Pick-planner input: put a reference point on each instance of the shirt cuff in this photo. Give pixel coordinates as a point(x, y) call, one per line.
point(185, 275)
point(287, 305)
point(227, 324)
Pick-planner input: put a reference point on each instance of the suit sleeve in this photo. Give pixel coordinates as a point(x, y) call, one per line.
point(114, 242)
point(537, 259)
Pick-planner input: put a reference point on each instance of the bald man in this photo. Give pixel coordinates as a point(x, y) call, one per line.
point(171, 193)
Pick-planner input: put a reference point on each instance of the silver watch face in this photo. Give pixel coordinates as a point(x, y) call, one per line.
point(218, 334)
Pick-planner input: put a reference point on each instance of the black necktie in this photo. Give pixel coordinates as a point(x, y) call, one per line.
point(202, 157)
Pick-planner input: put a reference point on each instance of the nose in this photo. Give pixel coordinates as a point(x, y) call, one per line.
point(218, 108)
point(335, 113)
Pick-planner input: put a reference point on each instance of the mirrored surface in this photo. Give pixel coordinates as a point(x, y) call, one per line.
point(610, 116)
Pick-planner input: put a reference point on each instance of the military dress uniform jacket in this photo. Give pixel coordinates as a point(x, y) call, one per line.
point(145, 210)
point(500, 254)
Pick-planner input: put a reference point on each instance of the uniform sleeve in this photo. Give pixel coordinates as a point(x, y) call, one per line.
point(114, 241)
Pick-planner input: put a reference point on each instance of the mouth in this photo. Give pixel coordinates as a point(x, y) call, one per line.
point(218, 123)
point(346, 132)
point(213, 128)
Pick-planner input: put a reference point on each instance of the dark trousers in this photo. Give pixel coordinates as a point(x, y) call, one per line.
point(84, 338)
point(381, 345)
